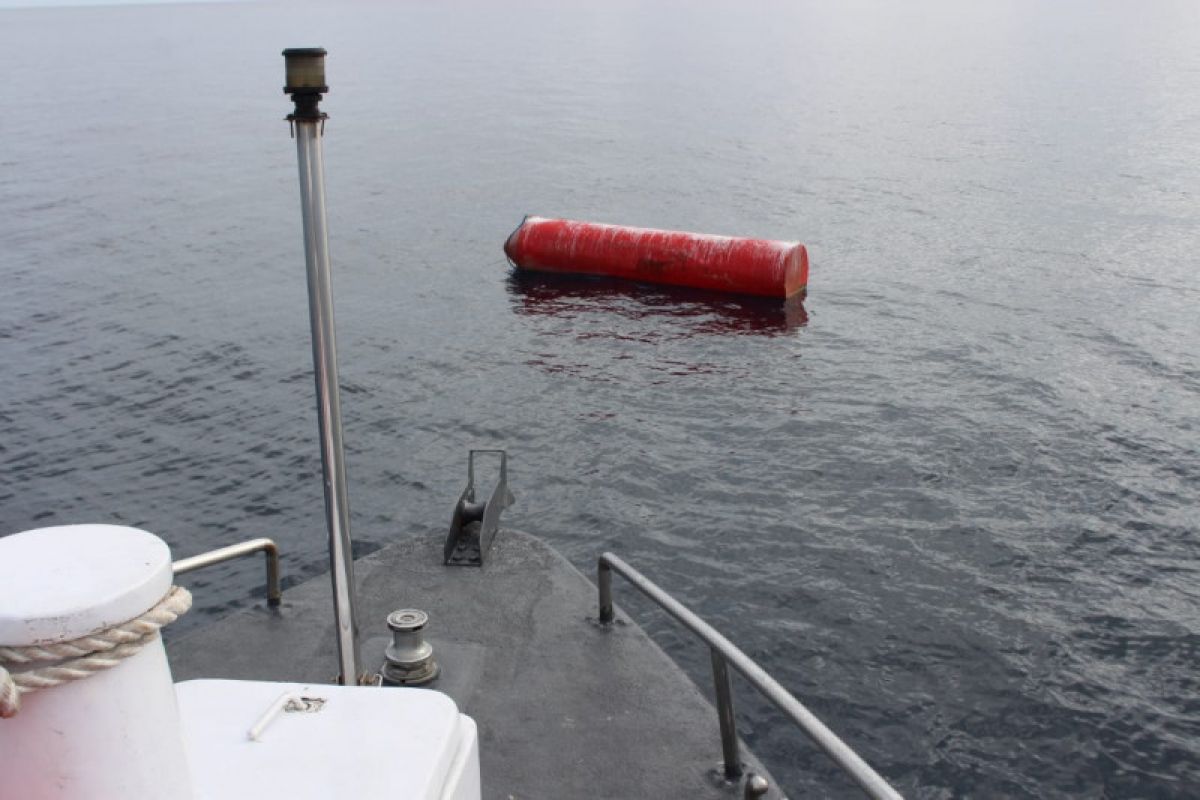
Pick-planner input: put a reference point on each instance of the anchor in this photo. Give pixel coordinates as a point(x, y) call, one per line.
point(474, 524)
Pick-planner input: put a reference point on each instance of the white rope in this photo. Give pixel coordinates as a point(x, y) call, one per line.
point(78, 658)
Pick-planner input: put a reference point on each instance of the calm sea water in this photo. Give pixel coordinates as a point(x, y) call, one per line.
point(952, 501)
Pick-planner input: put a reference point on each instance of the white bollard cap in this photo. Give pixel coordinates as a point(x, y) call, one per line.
point(61, 583)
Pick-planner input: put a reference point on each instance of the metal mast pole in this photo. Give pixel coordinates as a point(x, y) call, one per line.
point(306, 83)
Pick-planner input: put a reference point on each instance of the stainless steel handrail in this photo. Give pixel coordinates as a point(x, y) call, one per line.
point(724, 653)
point(267, 546)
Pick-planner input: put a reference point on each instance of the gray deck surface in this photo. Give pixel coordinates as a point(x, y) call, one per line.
point(565, 709)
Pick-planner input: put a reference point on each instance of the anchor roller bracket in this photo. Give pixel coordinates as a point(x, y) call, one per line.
point(475, 524)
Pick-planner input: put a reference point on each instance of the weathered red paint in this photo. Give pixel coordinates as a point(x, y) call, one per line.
point(700, 260)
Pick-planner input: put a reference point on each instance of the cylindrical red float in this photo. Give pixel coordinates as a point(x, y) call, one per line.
point(700, 260)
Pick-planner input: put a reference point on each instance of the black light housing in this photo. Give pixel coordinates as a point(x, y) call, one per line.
point(305, 70)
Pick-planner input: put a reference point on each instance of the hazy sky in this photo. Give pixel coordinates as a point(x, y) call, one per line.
point(46, 3)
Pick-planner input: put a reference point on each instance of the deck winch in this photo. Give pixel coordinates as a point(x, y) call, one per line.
point(698, 260)
point(408, 660)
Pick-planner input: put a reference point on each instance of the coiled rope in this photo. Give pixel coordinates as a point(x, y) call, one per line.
point(78, 658)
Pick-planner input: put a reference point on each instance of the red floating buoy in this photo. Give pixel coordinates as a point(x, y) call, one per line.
point(699, 260)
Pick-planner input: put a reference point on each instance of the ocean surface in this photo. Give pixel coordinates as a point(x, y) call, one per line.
point(952, 501)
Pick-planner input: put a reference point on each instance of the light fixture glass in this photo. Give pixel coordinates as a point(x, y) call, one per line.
point(305, 70)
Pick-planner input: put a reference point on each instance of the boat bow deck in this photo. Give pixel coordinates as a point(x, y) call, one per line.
point(565, 708)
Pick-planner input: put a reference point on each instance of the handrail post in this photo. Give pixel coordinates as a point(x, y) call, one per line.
point(729, 737)
point(604, 582)
point(274, 588)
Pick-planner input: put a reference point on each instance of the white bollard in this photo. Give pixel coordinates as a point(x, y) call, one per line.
point(114, 735)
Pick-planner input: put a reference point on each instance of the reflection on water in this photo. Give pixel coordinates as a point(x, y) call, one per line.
point(691, 312)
